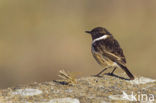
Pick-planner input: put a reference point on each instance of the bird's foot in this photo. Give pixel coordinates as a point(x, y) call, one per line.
point(111, 74)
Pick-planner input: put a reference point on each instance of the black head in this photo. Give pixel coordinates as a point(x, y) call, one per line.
point(98, 32)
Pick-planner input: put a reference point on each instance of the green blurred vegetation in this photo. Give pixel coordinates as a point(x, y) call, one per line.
point(40, 37)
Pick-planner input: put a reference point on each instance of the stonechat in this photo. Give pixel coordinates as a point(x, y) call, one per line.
point(107, 51)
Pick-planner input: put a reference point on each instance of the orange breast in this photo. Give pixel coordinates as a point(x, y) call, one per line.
point(102, 60)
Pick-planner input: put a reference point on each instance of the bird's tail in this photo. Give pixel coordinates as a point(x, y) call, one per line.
point(127, 72)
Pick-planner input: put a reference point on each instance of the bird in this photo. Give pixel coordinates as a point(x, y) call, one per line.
point(107, 51)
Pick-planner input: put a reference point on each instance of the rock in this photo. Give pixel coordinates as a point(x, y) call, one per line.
point(105, 89)
point(27, 92)
point(64, 100)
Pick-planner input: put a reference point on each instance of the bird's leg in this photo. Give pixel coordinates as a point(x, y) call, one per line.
point(101, 72)
point(113, 70)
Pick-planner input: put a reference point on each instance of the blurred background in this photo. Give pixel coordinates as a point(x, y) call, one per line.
point(40, 37)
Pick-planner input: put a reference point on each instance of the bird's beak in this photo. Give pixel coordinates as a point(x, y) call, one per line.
point(88, 32)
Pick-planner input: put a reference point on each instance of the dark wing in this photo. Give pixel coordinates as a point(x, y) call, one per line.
point(111, 49)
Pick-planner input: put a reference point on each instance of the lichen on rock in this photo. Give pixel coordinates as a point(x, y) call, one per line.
point(105, 89)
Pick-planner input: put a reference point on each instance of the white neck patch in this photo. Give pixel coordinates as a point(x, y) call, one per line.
point(100, 38)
